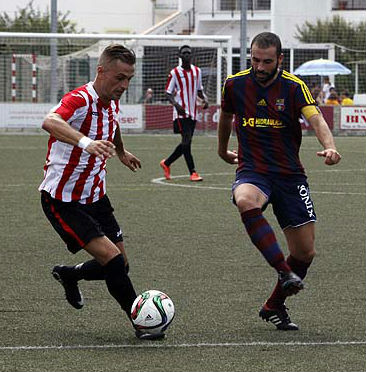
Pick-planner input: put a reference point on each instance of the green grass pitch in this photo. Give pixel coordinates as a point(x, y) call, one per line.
point(186, 240)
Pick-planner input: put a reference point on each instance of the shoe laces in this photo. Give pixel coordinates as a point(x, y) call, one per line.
point(283, 315)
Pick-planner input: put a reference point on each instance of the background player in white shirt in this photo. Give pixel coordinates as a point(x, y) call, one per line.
point(183, 86)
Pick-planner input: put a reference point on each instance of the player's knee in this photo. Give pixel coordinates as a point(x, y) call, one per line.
point(186, 146)
point(310, 255)
point(306, 256)
point(245, 203)
point(108, 256)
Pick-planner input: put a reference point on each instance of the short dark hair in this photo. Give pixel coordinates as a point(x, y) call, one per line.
point(117, 52)
point(265, 40)
point(184, 47)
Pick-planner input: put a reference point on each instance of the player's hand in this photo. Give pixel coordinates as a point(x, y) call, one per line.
point(130, 160)
point(230, 157)
point(204, 104)
point(331, 156)
point(102, 149)
point(179, 109)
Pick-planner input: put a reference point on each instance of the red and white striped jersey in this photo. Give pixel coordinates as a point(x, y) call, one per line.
point(71, 173)
point(184, 85)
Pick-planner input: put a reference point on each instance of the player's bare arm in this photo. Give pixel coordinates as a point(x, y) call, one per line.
point(203, 98)
point(62, 131)
point(224, 133)
point(126, 158)
point(325, 137)
point(178, 107)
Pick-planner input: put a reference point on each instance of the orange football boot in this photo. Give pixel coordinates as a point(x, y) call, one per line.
point(166, 170)
point(195, 177)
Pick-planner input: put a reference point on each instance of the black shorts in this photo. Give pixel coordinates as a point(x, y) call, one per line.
point(184, 125)
point(77, 224)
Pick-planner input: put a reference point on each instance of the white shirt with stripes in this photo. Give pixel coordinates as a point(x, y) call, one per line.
point(70, 173)
point(184, 85)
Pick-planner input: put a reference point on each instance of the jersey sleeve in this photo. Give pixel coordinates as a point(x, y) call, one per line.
point(303, 97)
point(227, 103)
point(171, 83)
point(69, 104)
point(199, 82)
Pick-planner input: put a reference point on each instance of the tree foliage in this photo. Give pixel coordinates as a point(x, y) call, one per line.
point(350, 41)
point(29, 19)
point(336, 30)
point(32, 20)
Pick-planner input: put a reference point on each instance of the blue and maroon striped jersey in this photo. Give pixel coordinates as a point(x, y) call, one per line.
point(267, 121)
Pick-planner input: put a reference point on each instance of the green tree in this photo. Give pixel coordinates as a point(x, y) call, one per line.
point(29, 19)
point(336, 30)
point(350, 40)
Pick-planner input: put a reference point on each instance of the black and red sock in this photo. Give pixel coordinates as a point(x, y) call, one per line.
point(277, 298)
point(263, 237)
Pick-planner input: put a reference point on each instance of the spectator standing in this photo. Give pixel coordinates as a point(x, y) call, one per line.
point(326, 87)
point(148, 97)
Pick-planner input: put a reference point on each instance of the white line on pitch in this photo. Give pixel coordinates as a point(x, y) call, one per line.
point(163, 181)
point(166, 346)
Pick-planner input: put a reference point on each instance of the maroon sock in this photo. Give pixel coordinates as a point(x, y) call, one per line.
point(263, 237)
point(277, 298)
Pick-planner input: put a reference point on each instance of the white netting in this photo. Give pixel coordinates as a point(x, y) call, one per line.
point(77, 57)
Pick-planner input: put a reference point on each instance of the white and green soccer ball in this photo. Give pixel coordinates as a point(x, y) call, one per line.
point(152, 312)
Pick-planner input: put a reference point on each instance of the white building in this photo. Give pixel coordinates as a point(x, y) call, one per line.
point(107, 16)
point(223, 16)
point(197, 16)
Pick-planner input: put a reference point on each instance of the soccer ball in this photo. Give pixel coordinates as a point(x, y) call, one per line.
point(152, 312)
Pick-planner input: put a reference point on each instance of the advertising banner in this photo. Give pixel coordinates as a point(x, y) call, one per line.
point(31, 115)
point(23, 115)
point(130, 117)
point(161, 117)
point(353, 118)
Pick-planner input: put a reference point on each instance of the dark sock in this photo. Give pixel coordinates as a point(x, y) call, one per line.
point(119, 284)
point(263, 237)
point(300, 268)
point(277, 298)
point(89, 270)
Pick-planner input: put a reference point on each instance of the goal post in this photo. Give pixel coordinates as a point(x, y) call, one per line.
point(77, 56)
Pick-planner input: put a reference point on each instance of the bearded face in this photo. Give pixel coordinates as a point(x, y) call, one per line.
point(265, 63)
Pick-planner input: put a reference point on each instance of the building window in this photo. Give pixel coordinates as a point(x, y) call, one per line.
point(259, 4)
point(230, 4)
point(252, 4)
point(166, 4)
point(349, 5)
